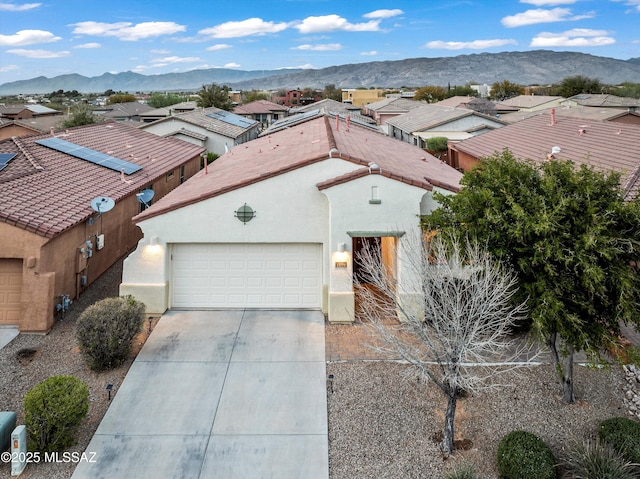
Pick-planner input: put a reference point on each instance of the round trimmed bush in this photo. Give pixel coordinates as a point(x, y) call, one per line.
point(54, 409)
point(523, 454)
point(623, 435)
point(106, 329)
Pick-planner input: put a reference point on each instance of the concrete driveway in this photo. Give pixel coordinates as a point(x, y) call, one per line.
point(224, 394)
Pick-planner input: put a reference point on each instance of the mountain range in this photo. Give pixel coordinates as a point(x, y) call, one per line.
point(538, 67)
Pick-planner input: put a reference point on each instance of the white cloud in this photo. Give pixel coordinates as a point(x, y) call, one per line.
point(10, 7)
point(88, 45)
point(244, 28)
point(27, 37)
point(219, 46)
point(306, 66)
point(157, 51)
point(383, 13)
point(631, 3)
point(542, 3)
point(371, 53)
point(578, 37)
point(232, 65)
point(320, 47)
point(474, 45)
point(127, 31)
point(38, 53)
point(541, 15)
point(9, 68)
point(332, 23)
point(174, 59)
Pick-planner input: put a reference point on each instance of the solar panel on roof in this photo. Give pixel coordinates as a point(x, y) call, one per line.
point(92, 156)
point(231, 118)
point(5, 158)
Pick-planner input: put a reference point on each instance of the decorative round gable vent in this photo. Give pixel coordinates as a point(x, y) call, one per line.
point(245, 213)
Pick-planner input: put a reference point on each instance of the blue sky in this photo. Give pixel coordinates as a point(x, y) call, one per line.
point(55, 37)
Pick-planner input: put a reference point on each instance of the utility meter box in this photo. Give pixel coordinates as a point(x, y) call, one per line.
point(18, 450)
point(7, 424)
point(100, 241)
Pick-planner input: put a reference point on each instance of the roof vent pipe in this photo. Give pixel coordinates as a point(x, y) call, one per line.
point(553, 116)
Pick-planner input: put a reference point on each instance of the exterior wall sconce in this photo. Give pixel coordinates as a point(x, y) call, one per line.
point(154, 241)
point(245, 213)
point(341, 256)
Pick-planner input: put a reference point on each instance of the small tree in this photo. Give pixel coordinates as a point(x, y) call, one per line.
point(81, 114)
point(215, 95)
point(54, 409)
point(575, 85)
point(572, 239)
point(460, 320)
point(438, 145)
point(505, 89)
point(430, 94)
point(160, 100)
point(106, 329)
point(255, 95)
point(121, 98)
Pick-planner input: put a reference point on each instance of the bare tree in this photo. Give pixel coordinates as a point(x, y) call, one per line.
point(455, 309)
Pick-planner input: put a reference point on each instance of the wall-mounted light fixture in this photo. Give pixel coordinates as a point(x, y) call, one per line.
point(154, 241)
point(341, 256)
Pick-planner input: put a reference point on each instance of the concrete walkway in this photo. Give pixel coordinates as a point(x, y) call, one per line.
point(7, 334)
point(224, 394)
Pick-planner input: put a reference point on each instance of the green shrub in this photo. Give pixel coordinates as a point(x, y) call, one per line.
point(523, 454)
point(623, 435)
point(54, 409)
point(463, 471)
point(598, 460)
point(106, 329)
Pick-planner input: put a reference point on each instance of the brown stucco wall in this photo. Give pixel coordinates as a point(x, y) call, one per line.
point(15, 130)
point(57, 265)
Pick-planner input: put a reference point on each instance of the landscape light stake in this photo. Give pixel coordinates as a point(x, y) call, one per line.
point(109, 388)
point(331, 382)
point(150, 321)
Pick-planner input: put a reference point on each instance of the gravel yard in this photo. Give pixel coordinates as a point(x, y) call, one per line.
point(383, 421)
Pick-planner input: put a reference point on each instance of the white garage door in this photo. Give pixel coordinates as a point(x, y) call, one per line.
point(246, 275)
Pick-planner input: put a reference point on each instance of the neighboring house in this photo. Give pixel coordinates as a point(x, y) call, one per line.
point(262, 111)
point(129, 111)
point(618, 115)
point(603, 101)
point(456, 101)
point(294, 98)
point(52, 243)
point(383, 110)
point(163, 112)
point(279, 222)
point(531, 102)
point(31, 126)
point(337, 108)
point(21, 112)
point(431, 120)
point(360, 97)
point(215, 129)
point(605, 145)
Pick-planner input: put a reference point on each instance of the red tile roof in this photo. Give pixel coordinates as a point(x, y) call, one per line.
point(604, 145)
point(304, 144)
point(46, 192)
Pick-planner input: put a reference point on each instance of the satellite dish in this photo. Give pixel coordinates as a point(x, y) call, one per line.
point(102, 204)
point(145, 196)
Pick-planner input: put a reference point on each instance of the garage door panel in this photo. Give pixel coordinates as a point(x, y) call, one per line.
point(247, 275)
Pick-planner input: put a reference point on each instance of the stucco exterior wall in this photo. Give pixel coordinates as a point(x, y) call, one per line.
point(289, 209)
point(59, 267)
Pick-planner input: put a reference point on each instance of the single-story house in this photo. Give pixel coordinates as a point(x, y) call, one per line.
point(605, 145)
point(383, 110)
point(431, 120)
point(532, 102)
point(20, 112)
point(279, 222)
point(603, 101)
point(588, 113)
point(128, 111)
point(263, 111)
point(53, 241)
point(212, 128)
point(163, 112)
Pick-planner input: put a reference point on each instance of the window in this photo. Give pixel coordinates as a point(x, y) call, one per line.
point(170, 176)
